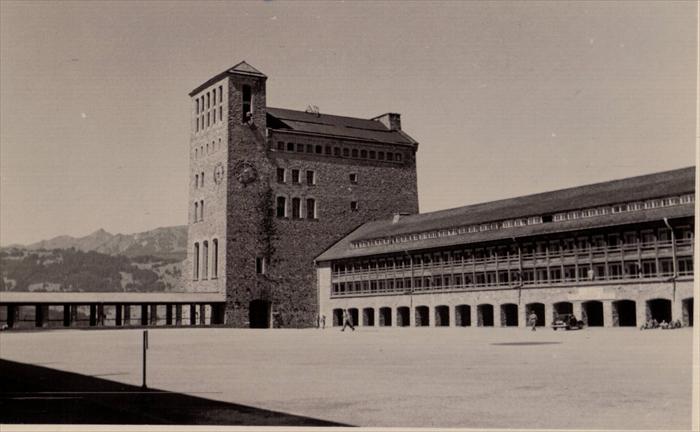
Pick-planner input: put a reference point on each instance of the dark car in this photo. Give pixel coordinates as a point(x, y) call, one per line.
point(567, 321)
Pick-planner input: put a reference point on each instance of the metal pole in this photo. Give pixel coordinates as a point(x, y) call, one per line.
point(145, 347)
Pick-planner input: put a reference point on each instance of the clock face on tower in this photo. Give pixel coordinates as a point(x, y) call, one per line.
point(246, 172)
point(219, 173)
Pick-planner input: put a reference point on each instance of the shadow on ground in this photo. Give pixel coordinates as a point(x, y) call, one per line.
point(39, 395)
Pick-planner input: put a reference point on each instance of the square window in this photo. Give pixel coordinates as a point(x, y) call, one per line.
point(300, 148)
point(346, 152)
point(290, 147)
point(319, 149)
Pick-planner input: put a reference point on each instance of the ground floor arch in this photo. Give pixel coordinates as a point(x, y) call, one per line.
point(561, 308)
point(463, 315)
point(337, 317)
point(422, 316)
point(484, 314)
point(259, 313)
point(624, 313)
point(659, 309)
point(509, 315)
point(368, 317)
point(385, 317)
point(592, 313)
point(403, 318)
point(688, 311)
point(354, 314)
point(537, 309)
point(442, 316)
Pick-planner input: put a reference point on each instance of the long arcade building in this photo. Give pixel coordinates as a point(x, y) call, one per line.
point(615, 254)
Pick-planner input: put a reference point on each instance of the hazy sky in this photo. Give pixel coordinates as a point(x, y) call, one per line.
point(505, 98)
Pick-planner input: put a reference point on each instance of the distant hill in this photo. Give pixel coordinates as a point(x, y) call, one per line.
point(166, 242)
point(141, 262)
point(75, 270)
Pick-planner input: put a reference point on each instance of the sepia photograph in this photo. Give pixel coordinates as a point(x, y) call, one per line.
point(348, 215)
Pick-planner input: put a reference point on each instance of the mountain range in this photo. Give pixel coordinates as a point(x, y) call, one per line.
point(164, 242)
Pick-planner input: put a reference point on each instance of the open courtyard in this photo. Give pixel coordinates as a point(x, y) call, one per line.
point(619, 378)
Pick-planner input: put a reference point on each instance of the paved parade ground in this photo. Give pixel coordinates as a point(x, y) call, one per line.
point(414, 377)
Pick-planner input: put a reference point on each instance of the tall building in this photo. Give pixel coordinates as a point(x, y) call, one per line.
point(270, 189)
point(616, 253)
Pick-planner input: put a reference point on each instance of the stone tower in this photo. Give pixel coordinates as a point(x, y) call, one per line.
point(270, 189)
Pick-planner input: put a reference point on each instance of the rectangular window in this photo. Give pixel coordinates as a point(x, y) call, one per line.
point(353, 178)
point(353, 205)
point(336, 151)
point(363, 154)
point(346, 152)
point(215, 259)
point(221, 113)
point(247, 104)
point(195, 262)
point(328, 150)
point(319, 149)
point(221, 92)
point(398, 157)
point(205, 260)
point(372, 154)
point(290, 147)
point(280, 175)
point(280, 145)
point(309, 148)
point(311, 208)
point(310, 178)
point(380, 155)
point(296, 208)
point(281, 207)
point(354, 153)
point(300, 148)
point(260, 265)
point(295, 176)
point(390, 156)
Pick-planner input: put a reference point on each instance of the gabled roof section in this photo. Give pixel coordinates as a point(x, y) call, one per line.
point(242, 68)
point(663, 184)
point(245, 68)
point(336, 126)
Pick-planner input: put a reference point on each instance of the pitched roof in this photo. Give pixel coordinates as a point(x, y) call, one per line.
point(650, 186)
point(242, 68)
point(337, 126)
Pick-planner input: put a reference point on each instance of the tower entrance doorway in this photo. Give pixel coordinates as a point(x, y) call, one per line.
point(259, 313)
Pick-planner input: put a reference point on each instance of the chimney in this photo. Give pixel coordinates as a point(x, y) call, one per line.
point(391, 120)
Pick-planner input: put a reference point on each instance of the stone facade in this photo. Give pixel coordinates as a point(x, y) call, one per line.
point(266, 262)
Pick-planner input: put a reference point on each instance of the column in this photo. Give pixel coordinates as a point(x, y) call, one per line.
point(154, 315)
point(100, 315)
point(66, 316)
point(41, 315)
point(144, 314)
point(127, 314)
point(641, 310)
point(178, 314)
point(578, 310)
point(607, 313)
point(474, 315)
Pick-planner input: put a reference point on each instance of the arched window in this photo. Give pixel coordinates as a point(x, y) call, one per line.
point(205, 259)
point(196, 212)
point(247, 101)
point(281, 207)
point(311, 208)
point(221, 93)
point(215, 259)
point(201, 210)
point(201, 177)
point(195, 262)
point(296, 208)
point(196, 181)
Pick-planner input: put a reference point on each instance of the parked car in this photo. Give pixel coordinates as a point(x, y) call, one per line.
point(568, 322)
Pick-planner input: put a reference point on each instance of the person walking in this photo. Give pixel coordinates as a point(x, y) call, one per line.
point(532, 320)
point(347, 320)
